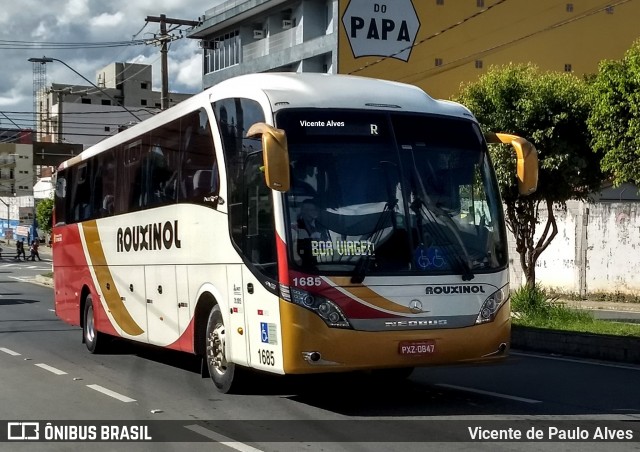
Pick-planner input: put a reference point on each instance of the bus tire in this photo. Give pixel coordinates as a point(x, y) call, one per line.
point(225, 375)
point(94, 340)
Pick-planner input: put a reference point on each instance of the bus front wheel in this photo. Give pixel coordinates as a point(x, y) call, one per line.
point(223, 373)
point(92, 338)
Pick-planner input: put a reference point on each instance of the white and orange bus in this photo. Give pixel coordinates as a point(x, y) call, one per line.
point(293, 224)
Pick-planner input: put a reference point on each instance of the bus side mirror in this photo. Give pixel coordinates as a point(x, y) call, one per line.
point(275, 155)
point(527, 164)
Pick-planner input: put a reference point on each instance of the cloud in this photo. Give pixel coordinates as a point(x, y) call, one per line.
point(190, 73)
point(107, 20)
point(91, 21)
point(73, 10)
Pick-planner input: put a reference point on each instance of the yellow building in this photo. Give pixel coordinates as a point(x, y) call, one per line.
point(435, 44)
point(448, 42)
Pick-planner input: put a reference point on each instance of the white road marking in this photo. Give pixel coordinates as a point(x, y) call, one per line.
point(577, 360)
point(9, 352)
point(111, 393)
point(51, 369)
point(489, 393)
point(222, 439)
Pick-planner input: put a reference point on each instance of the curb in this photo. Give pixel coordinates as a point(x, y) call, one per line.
point(44, 280)
point(623, 349)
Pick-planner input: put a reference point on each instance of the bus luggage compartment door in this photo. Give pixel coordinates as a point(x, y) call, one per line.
point(162, 306)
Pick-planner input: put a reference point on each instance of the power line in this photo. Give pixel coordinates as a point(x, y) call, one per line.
point(21, 45)
point(460, 61)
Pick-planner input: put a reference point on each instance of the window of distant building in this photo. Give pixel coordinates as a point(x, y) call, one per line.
point(569, 7)
point(107, 128)
point(106, 102)
point(143, 102)
point(567, 67)
point(158, 105)
point(222, 52)
point(478, 64)
point(438, 62)
point(86, 100)
point(144, 85)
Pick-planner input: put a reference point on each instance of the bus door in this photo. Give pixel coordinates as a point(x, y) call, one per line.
point(162, 305)
point(262, 313)
point(237, 325)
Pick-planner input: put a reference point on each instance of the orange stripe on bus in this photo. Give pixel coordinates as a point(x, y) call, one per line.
point(112, 297)
point(364, 293)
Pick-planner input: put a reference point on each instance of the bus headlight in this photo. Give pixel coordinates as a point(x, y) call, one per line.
point(327, 310)
point(492, 304)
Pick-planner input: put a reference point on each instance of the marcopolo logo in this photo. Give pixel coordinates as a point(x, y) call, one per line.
point(381, 29)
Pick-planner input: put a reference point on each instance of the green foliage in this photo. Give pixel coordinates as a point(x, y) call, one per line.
point(539, 308)
point(549, 109)
point(615, 117)
point(44, 214)
point(530, 300)
point(532, 305)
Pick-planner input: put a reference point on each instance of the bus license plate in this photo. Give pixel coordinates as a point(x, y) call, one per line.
point(417, 348)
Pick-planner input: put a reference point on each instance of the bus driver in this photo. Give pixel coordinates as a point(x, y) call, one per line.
point(309, 229)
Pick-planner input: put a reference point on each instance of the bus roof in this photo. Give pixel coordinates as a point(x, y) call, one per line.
point(296, 90)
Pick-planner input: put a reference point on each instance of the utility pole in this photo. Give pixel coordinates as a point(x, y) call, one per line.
point(164, 40)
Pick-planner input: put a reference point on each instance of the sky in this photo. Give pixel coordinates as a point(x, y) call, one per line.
point(32, 28)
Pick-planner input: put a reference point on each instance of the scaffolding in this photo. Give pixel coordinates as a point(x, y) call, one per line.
point(39, 95)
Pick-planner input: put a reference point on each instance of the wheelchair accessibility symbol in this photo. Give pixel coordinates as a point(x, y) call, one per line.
point(268, 333)
point(431, 258)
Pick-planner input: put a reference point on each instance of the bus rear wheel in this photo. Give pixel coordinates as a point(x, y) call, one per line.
point(224, 374)
point(94, 340)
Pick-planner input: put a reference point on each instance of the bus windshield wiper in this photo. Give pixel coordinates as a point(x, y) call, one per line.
point(359, 272)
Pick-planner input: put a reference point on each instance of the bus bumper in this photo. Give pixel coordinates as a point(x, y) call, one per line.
point(310, 346)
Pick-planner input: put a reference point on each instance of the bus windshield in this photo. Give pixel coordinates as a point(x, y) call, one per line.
point(379, 193)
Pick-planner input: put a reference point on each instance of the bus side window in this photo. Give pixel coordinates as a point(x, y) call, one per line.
point(200, 178)
point(80, 196)
point(61, 200)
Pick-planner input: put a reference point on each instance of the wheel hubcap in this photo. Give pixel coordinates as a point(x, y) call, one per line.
point(89, 325)
point(215, 350)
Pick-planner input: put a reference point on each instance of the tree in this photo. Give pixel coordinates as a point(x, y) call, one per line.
point(615, 116)
point(44, 214)
point(550, 110)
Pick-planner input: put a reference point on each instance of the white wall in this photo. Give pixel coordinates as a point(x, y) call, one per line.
point(597, 249)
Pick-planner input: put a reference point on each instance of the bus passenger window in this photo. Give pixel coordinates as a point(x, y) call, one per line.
point(200, 179)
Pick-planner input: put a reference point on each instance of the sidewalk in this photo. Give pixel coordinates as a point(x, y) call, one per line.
point(602, 305)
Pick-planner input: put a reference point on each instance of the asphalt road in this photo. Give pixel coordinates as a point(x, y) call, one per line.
point(47, 375)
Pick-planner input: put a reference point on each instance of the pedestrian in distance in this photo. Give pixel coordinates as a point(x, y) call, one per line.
point(20, 250)
point(34, 251)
